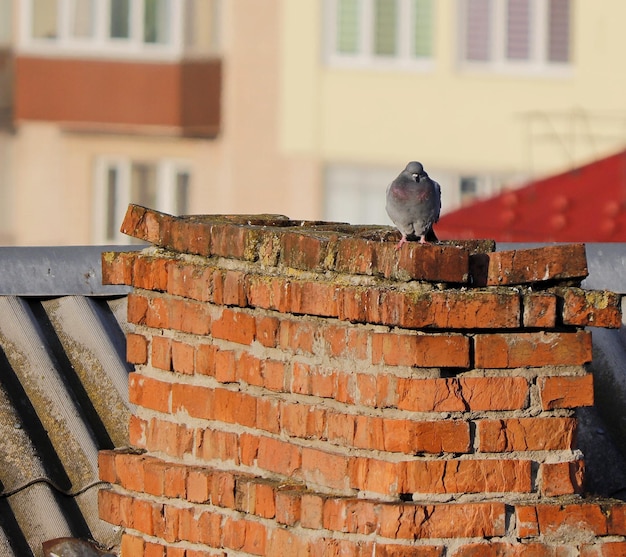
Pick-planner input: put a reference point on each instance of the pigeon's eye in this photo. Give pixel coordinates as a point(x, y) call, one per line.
point(415, 177)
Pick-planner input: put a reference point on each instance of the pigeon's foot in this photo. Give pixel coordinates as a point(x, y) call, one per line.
point(402, 241)
point(424, 241)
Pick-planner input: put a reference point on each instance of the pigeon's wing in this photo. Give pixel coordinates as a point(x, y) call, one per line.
point(438, 200)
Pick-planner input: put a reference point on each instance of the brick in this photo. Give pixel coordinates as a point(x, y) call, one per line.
point(449, 309)
point(106, 466)
point(223, 489)
point(617, 519)
point(136, 349)
point(396, 550)
point(194, 400)
point(566, 391)
point(225, 366)
point(297, 336)
point(595, 308)
point(268, 415)
point(411, 437)
point(325, 469)
point(378, 476)
point(161, 353)
point(269, 292)
point(154, 476)
point(265, 501)
point(234, 291)
point(150, 273)
point(526, 434)
point(234, 407)
point(153, 550)
point(303, 251)
point(255, 540)
point(143, 514)
point(267, 331)
point(340, 428)
point(311, 511)
point(215, 444)
point(130, 471)
point(437, 263)
point(149, 393)
point(314, 298)
point(606, 549)
point(562, 478)
point(585, 518)
point(284, 542)
point(462, 394)
point(117, 267)
point(527, 522)
point(511, 350)
point(183, 357)
point(234, 326)
point(190, 280)
point(421, 350)
point(137, 309)
point(198, 485)
point(278, 456)
point(539, 310)
point(273, 372)
point(454, 520)
point(468, 476)
point(189, 316)
point(206, 359)
point(288, 505)
point(535, 265)
point(132, 545)
point(145, 224)
point(189, 235)
point(234, 533)
point(249, 369)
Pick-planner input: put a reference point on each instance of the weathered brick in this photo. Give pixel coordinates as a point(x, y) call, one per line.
point(198, 485)
point(449, 309)
point(539, 310)
point(606, 549)
point(595, 308)
point(527, 266)
point(511, 350)
point(526, 434)
point(190, 280)
point(566, 391)
point(150, 273)
point(421, 350)
point(288, 505)
point(195, 400)
point(303, 251)
point(458, 394)
point(267, 330)
point(136, 348)
point(117, 267)
point(562, 478)
point(278, 456)
point(455, 520)
point(468, 476)
point(585, 518)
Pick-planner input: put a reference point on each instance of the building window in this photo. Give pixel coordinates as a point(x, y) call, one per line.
point(468, 189)
point(162, 185)
point(101, 28)
point(381, 33)
point(518, 35)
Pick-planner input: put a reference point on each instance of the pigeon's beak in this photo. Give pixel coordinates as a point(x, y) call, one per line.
point(416, 177)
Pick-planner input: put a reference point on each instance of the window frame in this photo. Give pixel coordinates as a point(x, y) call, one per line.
point(167, 171)
point(365, 57)
point(101, 45)
point(537, 63)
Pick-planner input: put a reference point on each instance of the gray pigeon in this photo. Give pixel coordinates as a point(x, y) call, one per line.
point(414, 204)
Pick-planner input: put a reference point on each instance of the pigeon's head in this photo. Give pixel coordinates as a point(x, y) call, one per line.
point(416, 170)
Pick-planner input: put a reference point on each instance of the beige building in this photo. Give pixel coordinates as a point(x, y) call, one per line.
point(301, 107)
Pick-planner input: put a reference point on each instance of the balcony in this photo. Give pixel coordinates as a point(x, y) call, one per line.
point(180, 97)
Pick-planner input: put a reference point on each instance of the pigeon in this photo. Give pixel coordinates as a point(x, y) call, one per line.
point(414, 204)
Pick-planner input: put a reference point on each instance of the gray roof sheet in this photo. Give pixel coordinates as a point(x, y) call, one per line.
point(63, 394)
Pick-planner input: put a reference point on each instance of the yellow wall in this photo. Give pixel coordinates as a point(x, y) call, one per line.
point(448, 118)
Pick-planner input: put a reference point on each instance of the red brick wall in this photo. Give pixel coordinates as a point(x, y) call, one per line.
point(305, 389)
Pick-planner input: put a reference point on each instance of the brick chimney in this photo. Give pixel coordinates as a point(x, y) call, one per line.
point(304, 389)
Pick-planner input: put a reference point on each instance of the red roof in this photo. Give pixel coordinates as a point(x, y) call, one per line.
point(587, 204)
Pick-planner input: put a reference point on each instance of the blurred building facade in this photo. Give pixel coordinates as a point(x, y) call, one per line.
point(305, 108)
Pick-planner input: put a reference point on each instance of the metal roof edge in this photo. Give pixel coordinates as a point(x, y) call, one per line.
point(57, 271)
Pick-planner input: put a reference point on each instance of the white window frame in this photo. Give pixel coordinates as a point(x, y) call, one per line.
point(101, 45)
point(537, 64)
point(366, 58)
point(166, 173)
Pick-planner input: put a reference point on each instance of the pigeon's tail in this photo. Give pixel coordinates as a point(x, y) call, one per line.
point(430, 235)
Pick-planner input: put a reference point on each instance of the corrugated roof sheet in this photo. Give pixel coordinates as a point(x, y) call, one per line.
point(63, 394)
